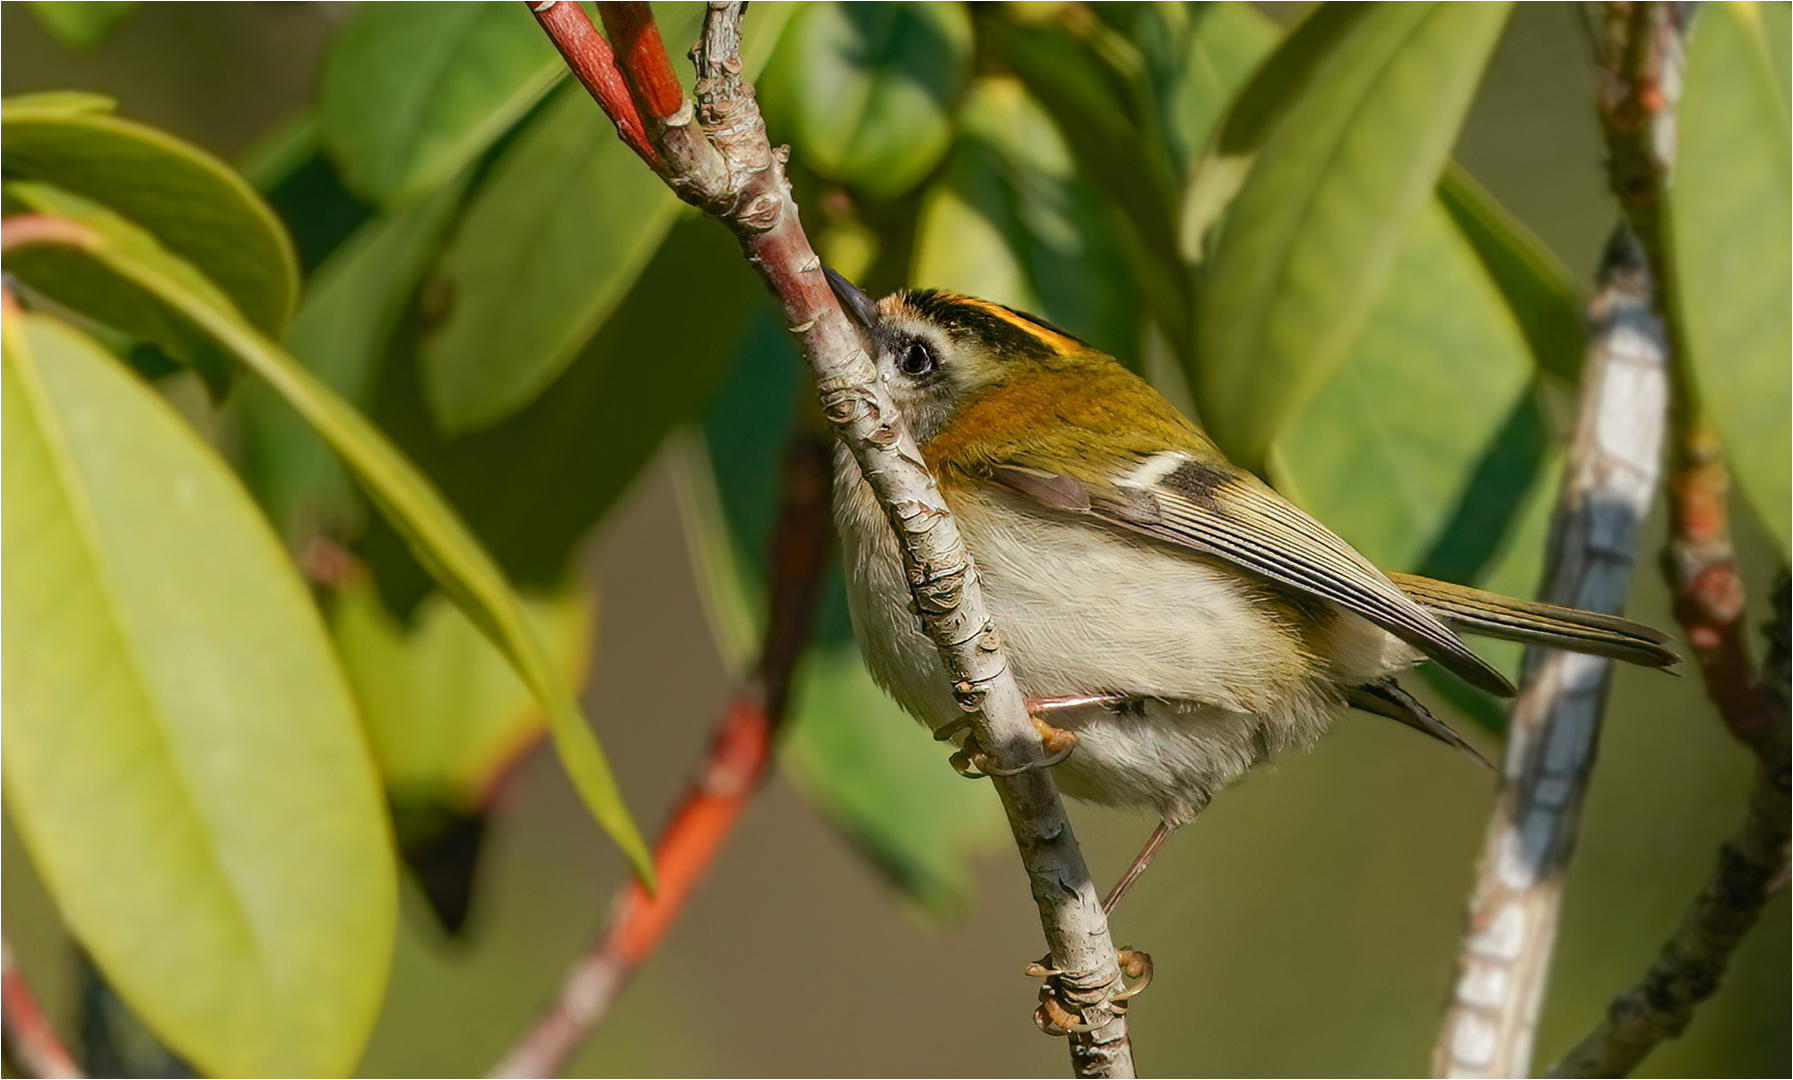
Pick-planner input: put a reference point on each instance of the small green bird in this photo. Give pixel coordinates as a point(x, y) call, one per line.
point(1172, 611)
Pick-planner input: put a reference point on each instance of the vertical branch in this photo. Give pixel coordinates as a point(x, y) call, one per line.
point(1515, 904)
point(30, 1040)
point(727, 167)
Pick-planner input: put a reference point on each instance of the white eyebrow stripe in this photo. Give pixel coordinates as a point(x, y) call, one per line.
point(1155, 468)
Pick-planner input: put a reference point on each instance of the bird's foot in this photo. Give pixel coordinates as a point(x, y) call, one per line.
point(1057, 1015)
point(973, 762)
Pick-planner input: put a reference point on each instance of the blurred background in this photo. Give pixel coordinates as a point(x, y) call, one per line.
point(1306, 925)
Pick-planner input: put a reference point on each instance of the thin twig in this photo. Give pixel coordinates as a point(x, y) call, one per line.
point(30, 1040)
point(1752, 866)
point(731, 772)
point(751, 196)
point(1612, 470)
point(1640, 48)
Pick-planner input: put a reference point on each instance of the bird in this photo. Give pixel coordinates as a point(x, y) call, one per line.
point(1170, 611)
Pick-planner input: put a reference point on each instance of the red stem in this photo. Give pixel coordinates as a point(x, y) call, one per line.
point(645, 64)
point(589, 58)
point(731, 772)
point(29, 1037)
point(24, 230)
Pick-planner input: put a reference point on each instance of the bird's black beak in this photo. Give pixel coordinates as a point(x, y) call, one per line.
point(861, 308)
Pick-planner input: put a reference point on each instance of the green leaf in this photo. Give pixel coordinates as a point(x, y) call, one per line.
point(868, 767)
point(444, 711)
point(1220, 50)
point(413, 92)
point(1011, 220)
point(553, 240)
point(1214, 178)
point(1537, 287)
point(1092, 85)
point(533, 485)
point(865, 92)
point(441, 542)
point(80, 26)
point(1315, 232)
point(190, 201)
point(1409, 434)
point(181, 754)
point(71, 101)
point(340, 332)
point(1730, 212)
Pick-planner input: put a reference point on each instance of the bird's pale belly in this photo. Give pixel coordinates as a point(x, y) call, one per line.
point(1218, 677)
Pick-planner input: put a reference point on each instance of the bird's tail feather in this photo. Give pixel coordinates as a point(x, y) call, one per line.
point(1492, 615)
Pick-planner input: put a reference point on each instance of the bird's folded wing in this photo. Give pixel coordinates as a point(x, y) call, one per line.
point(1493, 615)
point(1229, 514)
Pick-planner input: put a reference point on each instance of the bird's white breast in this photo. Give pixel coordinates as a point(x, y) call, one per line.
point(1224, 680)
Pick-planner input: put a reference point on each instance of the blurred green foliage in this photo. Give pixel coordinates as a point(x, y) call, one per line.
point(1265, 220)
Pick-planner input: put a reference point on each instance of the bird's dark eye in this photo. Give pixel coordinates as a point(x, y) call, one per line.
point(917, 360)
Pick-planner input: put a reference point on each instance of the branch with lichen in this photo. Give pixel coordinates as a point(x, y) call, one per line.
point(1515, 904)
point(714, 153)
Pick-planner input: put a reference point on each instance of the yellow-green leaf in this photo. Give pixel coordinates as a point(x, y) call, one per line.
point(436, 534)
point(181, 752)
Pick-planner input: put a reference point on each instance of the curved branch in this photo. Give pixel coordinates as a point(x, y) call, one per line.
point(30, 1039)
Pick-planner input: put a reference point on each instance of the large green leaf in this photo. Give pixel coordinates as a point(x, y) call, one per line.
point(868, 767)
point(1012, 220)
point(865, 92)
point(1387, 453)
point(552, 242)
point(1315, 232)
point(1203, 67)
point(412, 92)
point(1731, 211)
point(1212, 180)
point(355, 301)
point(1537, 287)
point(436, 534)
point(532, 486)
point(181, 753)
point(194, 204)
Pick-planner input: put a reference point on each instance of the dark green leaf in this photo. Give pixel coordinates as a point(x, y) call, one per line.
point(1316, 230)
point(413, 92)
point(534, 484)
point(1731, 211)
point(191, 202)
point(80, 25)
point(355, 302)
point(549, 246)
point(1011, 220)
point(438, 537)
point(175, 720)
point(1537, 286)
point(865, 92)
point(300, 182)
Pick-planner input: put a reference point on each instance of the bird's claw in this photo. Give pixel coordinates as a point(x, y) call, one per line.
point(973, 762)
point(1057, 1017)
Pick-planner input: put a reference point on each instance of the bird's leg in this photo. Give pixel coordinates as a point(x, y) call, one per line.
point(973, 762)
point(1140, 862)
